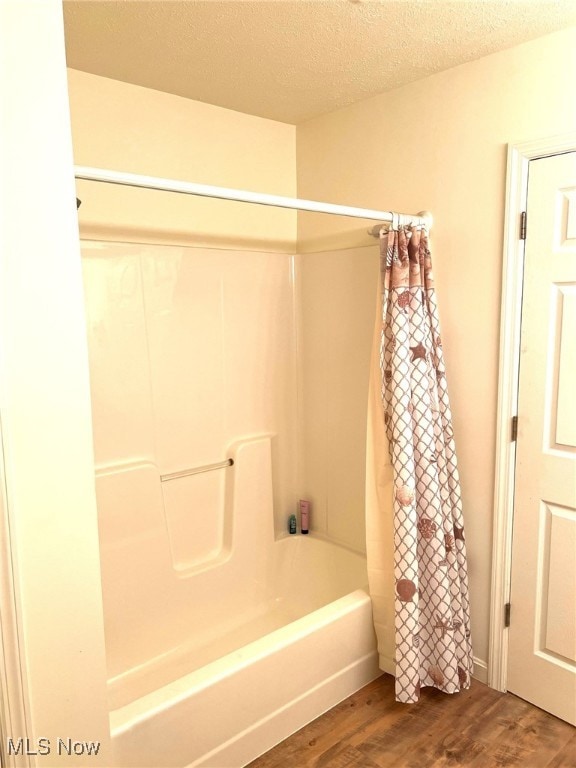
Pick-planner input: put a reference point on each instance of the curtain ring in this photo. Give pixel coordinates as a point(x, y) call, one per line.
point(395, 221)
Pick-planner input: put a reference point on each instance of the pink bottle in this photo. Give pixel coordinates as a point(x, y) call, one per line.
point(304, 515)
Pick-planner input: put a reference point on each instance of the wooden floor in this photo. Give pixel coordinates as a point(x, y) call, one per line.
point(479, 727)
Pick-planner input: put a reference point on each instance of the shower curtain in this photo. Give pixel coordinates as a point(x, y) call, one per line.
point(431, 617)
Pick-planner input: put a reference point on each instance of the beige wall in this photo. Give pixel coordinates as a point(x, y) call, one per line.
point(125, 127)
point(440, 144)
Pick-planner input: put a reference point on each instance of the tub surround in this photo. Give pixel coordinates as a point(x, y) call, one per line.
point(213, 614)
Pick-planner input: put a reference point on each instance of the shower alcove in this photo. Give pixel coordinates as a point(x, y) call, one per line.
point(213, 336)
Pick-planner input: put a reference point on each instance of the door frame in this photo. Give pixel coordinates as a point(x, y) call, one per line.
point(519, 156)
point(14, 710)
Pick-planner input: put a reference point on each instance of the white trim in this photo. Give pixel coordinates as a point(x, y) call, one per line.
point(480, 670)
point(13, 701)
point(519, 157)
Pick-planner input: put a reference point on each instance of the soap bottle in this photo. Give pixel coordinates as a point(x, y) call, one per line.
point(292, 524)
point(304, 515)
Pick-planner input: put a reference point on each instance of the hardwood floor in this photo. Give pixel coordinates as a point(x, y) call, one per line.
point(479, 727)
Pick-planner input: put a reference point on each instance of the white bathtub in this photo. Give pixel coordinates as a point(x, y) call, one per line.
point(228, 712)
point(213, 662)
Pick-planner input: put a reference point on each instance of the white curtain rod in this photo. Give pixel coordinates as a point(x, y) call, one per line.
point(244, 196)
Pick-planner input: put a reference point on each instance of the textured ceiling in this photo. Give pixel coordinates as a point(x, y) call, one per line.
point(291, 60)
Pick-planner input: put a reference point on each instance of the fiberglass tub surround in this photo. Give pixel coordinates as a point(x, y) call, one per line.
point(190, 364)
point(192, 355)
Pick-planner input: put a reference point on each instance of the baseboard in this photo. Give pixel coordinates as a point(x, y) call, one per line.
point(480, 670)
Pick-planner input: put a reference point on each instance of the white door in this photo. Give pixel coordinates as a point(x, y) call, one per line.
point(542, 636)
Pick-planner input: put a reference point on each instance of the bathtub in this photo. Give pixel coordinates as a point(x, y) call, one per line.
point(228, 712)
point(217, 654)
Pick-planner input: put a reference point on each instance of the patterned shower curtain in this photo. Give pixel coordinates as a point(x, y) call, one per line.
point(431, 591)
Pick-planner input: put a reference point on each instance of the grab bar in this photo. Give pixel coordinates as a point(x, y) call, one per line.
point(197, 470)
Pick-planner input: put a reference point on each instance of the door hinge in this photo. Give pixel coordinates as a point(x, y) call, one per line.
point(523, 225)
point(514, 429)
point(507, 615)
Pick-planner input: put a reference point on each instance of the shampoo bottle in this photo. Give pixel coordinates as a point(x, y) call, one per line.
point(304, 515)
point(292, 524)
